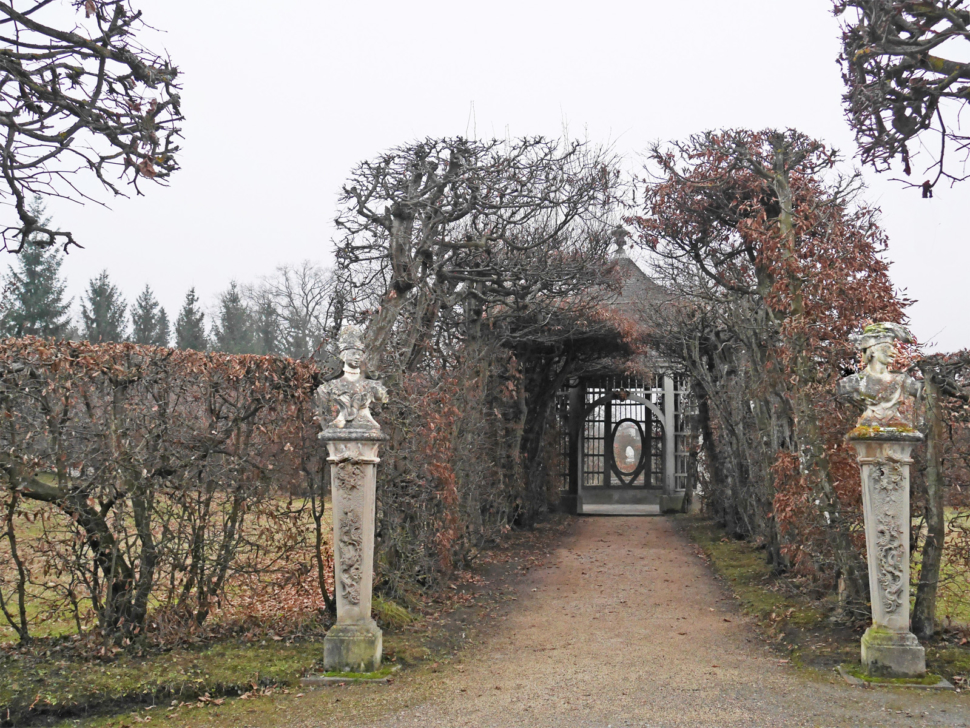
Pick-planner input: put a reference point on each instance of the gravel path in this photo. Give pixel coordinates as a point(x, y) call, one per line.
point(625, 626)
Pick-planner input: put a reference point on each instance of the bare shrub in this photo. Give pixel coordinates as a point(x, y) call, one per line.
point(140, 478)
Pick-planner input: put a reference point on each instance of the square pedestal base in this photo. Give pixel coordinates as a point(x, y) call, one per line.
point(672, 503)
point(892, 654)
point(353, 648)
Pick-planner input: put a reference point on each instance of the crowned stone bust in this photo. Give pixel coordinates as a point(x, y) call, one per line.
point(889, 397)
point(352, 393)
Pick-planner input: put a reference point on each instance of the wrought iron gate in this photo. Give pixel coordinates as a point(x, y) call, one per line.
point(624, 443)
point(623, 434)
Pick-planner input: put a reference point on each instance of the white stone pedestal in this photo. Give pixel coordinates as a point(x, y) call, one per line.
point(353, 644)
point(888, 647)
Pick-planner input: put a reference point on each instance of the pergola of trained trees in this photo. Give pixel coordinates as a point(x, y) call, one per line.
point(481, 267)
point(775, 263)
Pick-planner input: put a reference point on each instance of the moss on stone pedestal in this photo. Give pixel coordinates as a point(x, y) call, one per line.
point(376, 675)
point(859, 672)
point(353, 648)
point(890, 654)
point(884, 433)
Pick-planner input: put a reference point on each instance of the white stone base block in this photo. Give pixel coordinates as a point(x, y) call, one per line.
point(892, 654)
point(353, 648)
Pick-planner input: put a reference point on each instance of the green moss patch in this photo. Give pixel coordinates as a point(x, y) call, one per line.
point(792, 621)
point(858, 671)
point(952, 661)
point(759, 591)
point(798, 626)
point(34, 690)
point(377, 675)
point(390, 614)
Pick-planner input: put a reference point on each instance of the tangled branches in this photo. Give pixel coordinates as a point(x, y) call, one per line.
point(470, 231)
point(136, 478)
point(775, 266)
point(900, 86)
point(84, 98)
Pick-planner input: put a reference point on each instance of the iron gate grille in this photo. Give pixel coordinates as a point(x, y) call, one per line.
point(623, 443)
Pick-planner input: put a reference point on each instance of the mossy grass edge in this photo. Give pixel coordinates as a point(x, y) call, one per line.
point(384, 672)
point(929, 680)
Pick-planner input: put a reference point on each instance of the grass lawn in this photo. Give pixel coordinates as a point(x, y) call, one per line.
point(32, 688)
point(953, 604)
point(49, 679)
point(35, 690)
point(797, 626)
point(188, 687)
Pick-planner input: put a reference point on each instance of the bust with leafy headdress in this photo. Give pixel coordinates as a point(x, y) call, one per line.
point(889, 397)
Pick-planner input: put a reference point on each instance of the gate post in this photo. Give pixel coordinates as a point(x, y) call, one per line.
point(354, 643)
point(669, 501)
point(883, 440)
point(576, 402)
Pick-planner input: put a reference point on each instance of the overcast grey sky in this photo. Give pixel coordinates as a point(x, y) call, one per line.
point(283, 98)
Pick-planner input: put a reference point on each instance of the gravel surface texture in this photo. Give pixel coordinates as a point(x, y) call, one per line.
point(624, 625)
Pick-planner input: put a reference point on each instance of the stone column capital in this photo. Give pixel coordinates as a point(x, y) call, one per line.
point(352, 446)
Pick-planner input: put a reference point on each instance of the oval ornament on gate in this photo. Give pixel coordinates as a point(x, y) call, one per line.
point(627, 446)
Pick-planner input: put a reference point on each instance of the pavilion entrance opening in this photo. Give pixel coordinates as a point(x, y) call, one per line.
point(624, 444)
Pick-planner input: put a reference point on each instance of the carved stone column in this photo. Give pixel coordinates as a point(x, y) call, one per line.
point(888, 647)
point(354, 643)
point(883, 439)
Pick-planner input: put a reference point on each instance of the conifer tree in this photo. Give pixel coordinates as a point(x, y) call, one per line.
point(190, 325)
point(103, 311)
point(232, 333)
point(266, 325)
point(33, 292)
point(149, 322)
point(163, 334)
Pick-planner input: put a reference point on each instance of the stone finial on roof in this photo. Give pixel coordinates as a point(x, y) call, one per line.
point(620, 235)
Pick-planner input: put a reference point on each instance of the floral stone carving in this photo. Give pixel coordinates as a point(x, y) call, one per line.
point(348, 475)
point(887, 477)
point(351, 545)
point(889, 554)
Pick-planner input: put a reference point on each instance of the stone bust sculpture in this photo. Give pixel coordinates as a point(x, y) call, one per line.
point(352, 393)
point(889, 397)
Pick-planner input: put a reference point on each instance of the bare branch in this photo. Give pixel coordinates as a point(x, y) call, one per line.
point(70, 104)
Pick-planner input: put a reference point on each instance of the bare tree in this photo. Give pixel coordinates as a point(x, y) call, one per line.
point(907, 82)
point(79, 97)
point(466, 227)
point(307, 310)
point(947, 404)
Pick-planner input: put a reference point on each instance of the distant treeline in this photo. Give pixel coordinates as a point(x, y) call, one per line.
point(287, 313)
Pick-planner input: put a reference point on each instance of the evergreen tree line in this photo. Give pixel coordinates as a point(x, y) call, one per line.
point(287, 313)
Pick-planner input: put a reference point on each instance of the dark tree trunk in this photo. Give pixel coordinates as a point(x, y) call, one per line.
point(540, 390)
point(318, 491)
point(924, 610)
